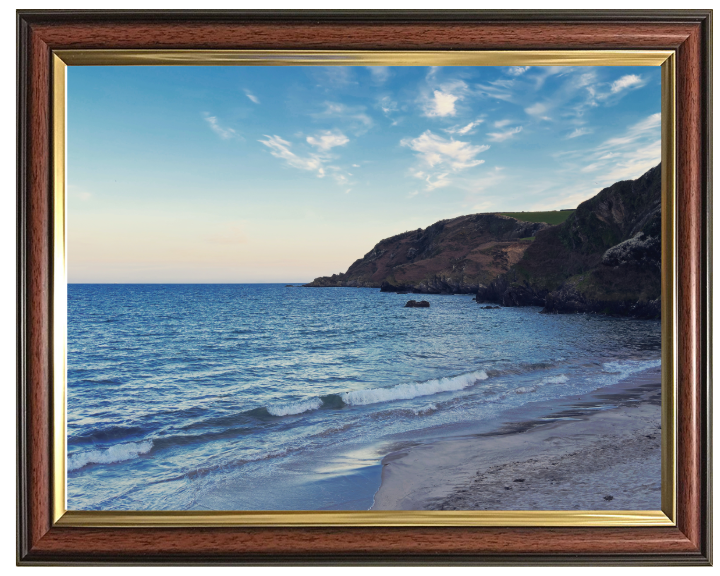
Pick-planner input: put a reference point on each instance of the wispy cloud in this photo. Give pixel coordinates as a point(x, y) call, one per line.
point(467, 129)
point(331, 78)
point(578, 132)
point(440, 157)
point(252, 96)
point(389, 107)
point(505, 135)
point(379, 74)
point(281, 149)
point(224, 133)
point(626, 156)
point(537, 109)
point(517, 70)
point(501, 123)
point(318, 162)
point(327, 139)
point(493, 90)
point(480, 190)
point(628, 81)
point(354, 118)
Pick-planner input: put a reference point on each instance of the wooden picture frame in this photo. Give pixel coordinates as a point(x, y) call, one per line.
point(41, 540)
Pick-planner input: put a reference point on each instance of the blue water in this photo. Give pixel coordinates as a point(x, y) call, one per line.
point(249, 396)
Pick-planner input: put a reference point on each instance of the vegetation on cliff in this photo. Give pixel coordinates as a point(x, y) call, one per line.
point(604, 258)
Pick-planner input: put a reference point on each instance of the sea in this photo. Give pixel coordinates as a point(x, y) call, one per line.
point(270, 397)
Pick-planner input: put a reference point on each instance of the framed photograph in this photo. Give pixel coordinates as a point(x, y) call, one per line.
point(364, 287)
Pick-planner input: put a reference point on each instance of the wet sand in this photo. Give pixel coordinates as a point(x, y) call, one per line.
point(599, 451)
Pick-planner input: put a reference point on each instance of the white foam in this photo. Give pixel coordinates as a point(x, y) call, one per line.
point(624, 369)
point(425, 409)
point(295, 407)
point(408, 391)
point(555, 379)
point(118, 453)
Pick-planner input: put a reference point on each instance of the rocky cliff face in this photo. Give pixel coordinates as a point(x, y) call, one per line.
point(450, 257)
point(604, 258)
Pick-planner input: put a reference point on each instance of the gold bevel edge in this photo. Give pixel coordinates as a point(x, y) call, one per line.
point(664, 517)
point(363, 58)
point(368, 518)
point(59, 293)
point(668, 292)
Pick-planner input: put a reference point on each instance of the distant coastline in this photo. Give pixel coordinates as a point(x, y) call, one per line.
point(603, 257)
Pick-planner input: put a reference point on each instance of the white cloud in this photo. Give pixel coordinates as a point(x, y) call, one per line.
point(224, 133)
point(252, 96)
point(464, 129)
point(501, 123)
point(379, 73)
point(435, 150)
point(578, 132)
point(536, 109)
point(443, 157)
point(501, 136)
point(318, 162)
point(441, 104)
point(327, 139)
point(628, 81)
point(517, 70)
point(591, 167)
point(387, 105)
point(281, 149)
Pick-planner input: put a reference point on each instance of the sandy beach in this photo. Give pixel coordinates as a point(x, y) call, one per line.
point(598, 451)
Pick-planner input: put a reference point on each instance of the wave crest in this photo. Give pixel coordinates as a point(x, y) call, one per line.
point(409, 391)
point(118, 453)
point(295, 407)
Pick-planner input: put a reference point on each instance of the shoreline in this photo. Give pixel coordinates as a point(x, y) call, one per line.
point(596, 451)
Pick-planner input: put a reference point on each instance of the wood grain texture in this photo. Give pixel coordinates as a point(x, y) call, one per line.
point(369, 36)
point(687, 33)
point(38, 278)
point(692, 315)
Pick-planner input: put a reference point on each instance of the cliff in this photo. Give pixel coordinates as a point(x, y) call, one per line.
point(604, 258)
point(460, 255)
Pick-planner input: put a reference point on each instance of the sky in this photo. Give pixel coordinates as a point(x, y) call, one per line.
point(282, 174)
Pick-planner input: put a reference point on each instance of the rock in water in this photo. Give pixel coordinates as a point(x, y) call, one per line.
point(416, 304)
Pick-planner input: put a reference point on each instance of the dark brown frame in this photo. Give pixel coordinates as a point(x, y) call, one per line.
point(688, 33)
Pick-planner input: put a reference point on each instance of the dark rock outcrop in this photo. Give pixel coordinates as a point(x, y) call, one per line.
point(416, 304)
point(605, 258)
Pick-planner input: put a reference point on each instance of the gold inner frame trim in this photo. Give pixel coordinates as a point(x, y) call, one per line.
point(368, 518)
point(547, 518)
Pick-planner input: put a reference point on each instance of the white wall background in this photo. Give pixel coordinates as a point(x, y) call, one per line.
point(8, 247)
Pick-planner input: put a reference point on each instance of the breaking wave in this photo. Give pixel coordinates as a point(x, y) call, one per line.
point(118, 453)
point(408, 391)
point(295, 407)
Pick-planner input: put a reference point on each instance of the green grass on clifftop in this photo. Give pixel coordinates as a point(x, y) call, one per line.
point(552, 217)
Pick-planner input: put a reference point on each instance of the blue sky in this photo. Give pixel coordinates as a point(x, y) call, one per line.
point(282, 174)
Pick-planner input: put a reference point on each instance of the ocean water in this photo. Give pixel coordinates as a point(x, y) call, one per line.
point(263, 397)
